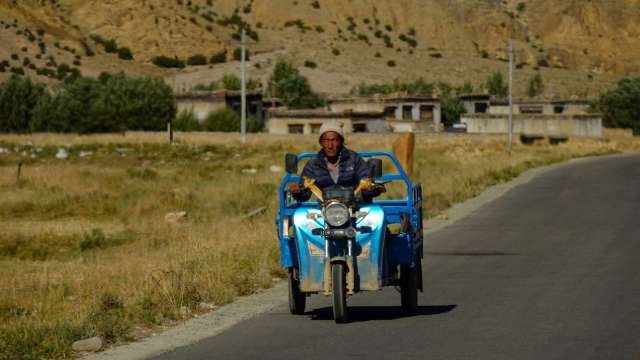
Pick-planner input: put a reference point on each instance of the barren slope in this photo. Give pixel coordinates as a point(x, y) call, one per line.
point(580, 47)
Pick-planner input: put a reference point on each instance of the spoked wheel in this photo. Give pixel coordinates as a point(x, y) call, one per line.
point(409, 289)
point(339, 288)
point(297, 299)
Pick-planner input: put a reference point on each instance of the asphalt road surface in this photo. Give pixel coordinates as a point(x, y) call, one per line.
point(551, 270)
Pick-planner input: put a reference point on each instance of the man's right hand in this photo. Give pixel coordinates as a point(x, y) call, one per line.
point(295, 188)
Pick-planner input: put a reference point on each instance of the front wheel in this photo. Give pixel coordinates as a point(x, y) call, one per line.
point(338, 282)
point(409, 289)
point(297, 299)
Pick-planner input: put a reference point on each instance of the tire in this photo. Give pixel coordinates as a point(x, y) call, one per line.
point(297, 299)
point(409, 289)
point(338, 282)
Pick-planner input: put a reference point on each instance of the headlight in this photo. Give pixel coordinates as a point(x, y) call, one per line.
point(336, 214)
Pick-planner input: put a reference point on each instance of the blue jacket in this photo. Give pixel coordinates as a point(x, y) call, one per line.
point(351, 169)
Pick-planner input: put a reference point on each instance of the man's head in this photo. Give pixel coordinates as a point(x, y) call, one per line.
point(331, 138)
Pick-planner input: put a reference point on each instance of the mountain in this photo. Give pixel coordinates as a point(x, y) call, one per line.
point(580, 47)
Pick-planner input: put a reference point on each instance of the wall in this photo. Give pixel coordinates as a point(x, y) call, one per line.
point(200, 108)
point(569, 125)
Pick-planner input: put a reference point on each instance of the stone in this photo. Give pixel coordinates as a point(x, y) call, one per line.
point(88, 345)
point(176, 216)
point(249, 171)
point(204, 306)
point(85, 153)
point(275, 169)
point(62, 154)
point(184, 312)
point(4, 151)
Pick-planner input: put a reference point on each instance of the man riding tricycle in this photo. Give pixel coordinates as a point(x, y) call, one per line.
point(347, 242)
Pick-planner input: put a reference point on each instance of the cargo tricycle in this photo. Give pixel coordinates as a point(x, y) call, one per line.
point(341, 244)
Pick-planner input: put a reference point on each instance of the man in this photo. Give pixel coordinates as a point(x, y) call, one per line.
point(335, 165)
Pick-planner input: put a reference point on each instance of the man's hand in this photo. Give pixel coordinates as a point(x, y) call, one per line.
point(379, 189)
point(295, 188)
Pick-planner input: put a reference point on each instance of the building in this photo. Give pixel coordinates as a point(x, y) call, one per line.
point(309, 121)
point(531, 117)
point(401, 113)
point(203, 103)
point(374, 114)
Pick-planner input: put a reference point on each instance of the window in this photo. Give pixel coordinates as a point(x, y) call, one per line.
point(296, 129)
point(315, 128)
point(426, 112)
point(480, 107)
point(558, 109)
point(359, 128)
point(390, 111)
point(407, 112)
point(531, 109)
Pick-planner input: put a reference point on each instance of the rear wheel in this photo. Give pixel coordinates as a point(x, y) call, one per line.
point(409, 289)
point(338, 281)
point(297, 299)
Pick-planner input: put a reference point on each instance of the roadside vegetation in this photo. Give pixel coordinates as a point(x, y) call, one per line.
point(86, 248)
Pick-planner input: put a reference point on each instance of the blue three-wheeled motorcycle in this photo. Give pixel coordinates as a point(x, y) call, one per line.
point(340, 245)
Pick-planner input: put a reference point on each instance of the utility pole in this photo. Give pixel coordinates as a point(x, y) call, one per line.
point(243, 111)
point(510, 138)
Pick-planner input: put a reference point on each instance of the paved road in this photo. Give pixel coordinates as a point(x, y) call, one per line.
point(551, 270)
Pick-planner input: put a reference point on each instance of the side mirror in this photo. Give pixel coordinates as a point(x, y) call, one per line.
point(291, 163)
point(376, 168)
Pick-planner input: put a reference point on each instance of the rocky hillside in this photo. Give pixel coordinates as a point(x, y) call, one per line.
point(579, 46)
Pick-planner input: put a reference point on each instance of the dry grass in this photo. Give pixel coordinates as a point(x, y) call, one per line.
point(85, 248)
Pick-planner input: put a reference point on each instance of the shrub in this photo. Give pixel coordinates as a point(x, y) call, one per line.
point(223, 120)
point(496, 85)
point(110, 46)
point(186, 121)
point(231, 82)
point(315, 4)
point(335, 52)
point(125, 53)
point(18, 70)
point(237, 54)
point(218, 58)
point(391, 63)
point(167, 62)
point(536, 85)
point(310, 64)
point(197, 59)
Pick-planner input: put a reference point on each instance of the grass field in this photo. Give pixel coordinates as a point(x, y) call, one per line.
point(85, 249)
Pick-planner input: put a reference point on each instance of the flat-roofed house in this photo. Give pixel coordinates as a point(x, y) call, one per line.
point(309, 121)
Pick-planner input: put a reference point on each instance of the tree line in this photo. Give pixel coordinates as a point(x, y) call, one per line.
point(110, 103)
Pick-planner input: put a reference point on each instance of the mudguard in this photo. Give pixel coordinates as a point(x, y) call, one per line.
point(368, 249)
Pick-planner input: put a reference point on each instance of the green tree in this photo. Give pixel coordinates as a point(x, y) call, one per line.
point(18, 98)
point(536, 85)
point(620, 106)
point(136, 103)
point(293, 88)
point(496, 85)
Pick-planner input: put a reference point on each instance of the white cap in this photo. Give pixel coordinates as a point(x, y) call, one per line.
point(331, 125)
